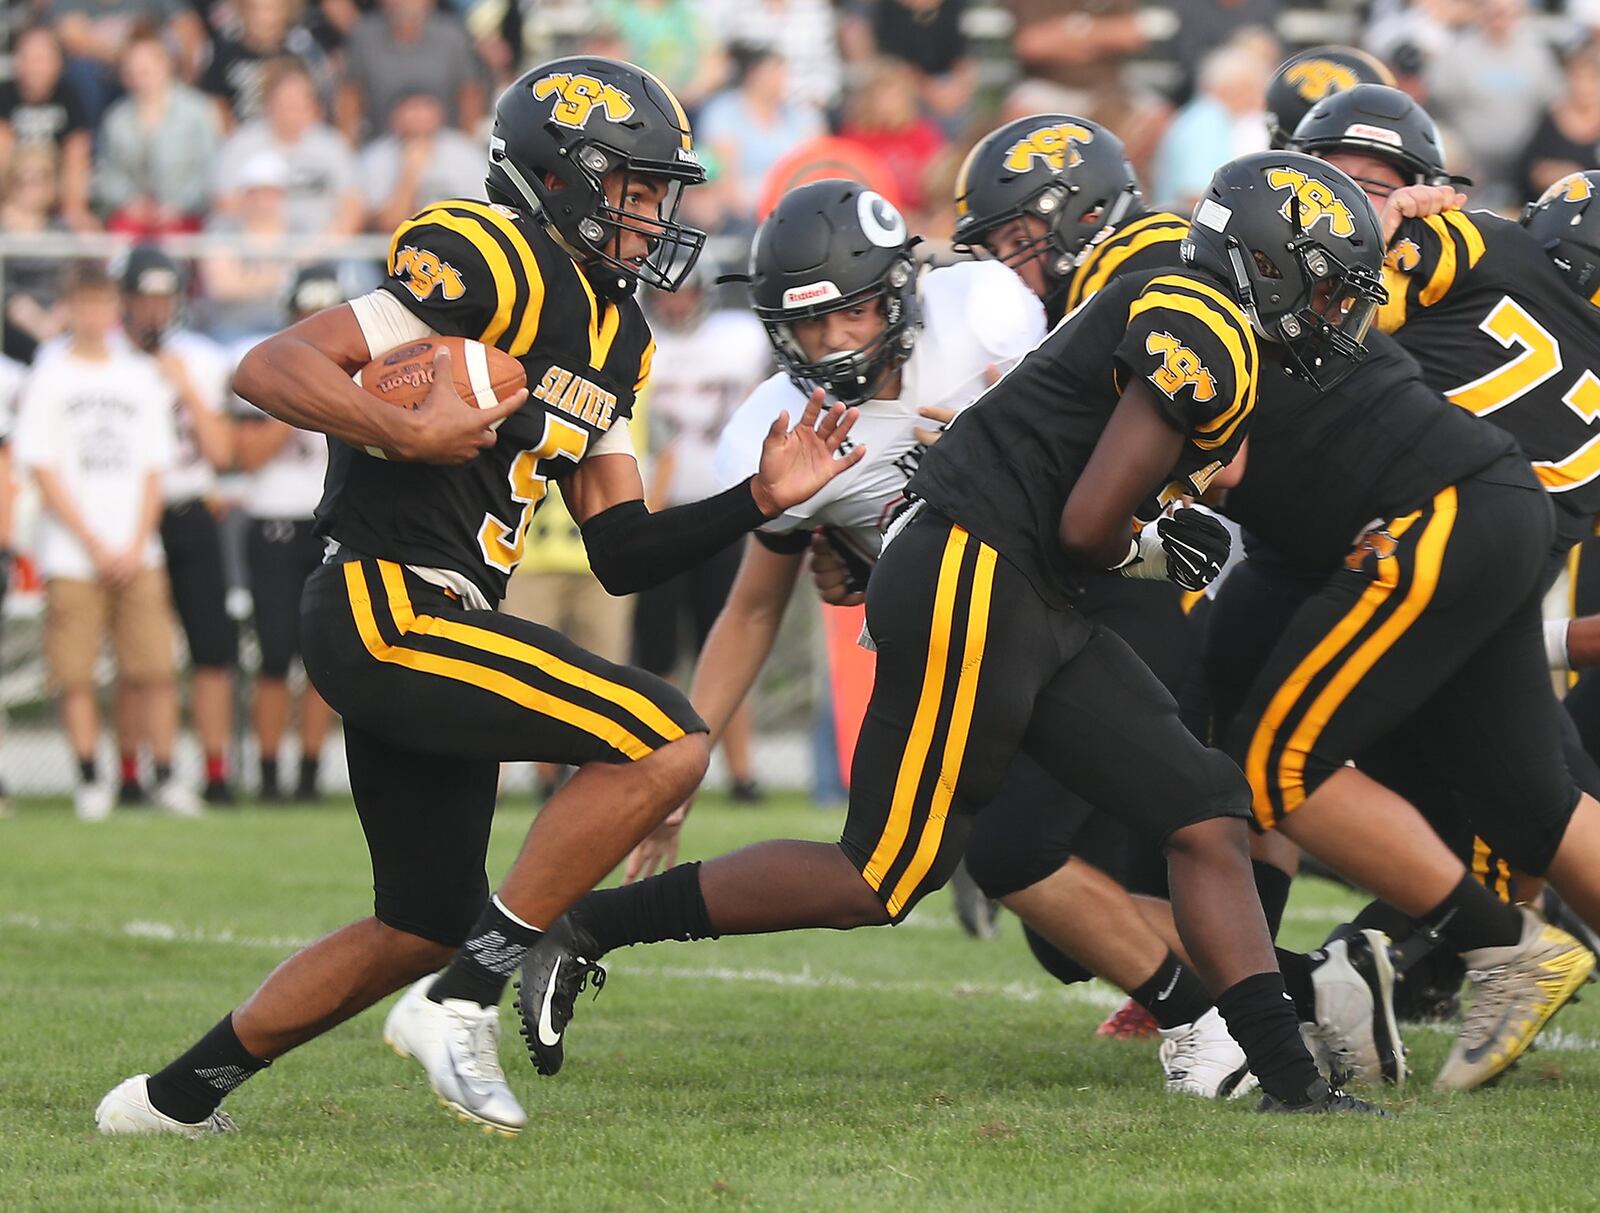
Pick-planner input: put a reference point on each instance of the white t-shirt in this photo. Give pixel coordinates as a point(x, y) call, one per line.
point(11, 377)
point(698, 378)
point(289, 485)
point(209, 368)
point(974, 315)
point(102, 427)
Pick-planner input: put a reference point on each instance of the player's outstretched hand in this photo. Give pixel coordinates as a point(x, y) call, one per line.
point(444, 428)
point(830, 574)
point(796, 463)
point(1415, 201)
point(659, 850)
point(943, 414)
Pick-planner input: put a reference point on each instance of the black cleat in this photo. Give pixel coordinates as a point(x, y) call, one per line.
point(1320, 1097)
point(554, 972)
point(976, 911)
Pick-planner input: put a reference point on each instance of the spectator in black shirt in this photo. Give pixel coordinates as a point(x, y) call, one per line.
point(266, 29)
point(1567, 139)
point(38, 107)
point(927, 34)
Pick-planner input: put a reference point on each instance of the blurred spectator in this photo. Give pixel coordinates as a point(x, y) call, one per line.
point(803, 32)
point(286, 468)
point(1491, 82)
point(1206, 25)
point(1225, 119)
point(1078, 43)
point(671, 39)
point(244, 281)
point(39, 106)
point(748, 128)
point(95, 33)
point(926, 34)
point(324, 197)
point(881, 115)
point(1408, 33)
point(267, 30)
point(707, 363)
point(1567, 139)
point(31, 283)
point(419, 161)
point(11, 377)
point(402, 49)
point(93, 432)
point(196, 370)
point(156, 148)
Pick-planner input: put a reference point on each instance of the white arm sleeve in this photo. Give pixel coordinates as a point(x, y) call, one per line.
point(615, 441)
point(386, 323)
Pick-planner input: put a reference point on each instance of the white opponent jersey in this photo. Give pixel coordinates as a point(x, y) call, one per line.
point(697, 379)
point(975, 315)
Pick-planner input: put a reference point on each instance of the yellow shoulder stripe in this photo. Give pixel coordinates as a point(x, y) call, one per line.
point(528, 327)
point(1444, 272)
point(1470, 236)
point(488, 248)
point(1109, 257)
point(1392, 315)
point(1235, 338)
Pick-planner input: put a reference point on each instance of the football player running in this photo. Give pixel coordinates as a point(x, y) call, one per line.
point(982, 655)
point(426, 512)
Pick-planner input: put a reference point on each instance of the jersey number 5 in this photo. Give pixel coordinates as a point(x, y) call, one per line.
point(502, 545)
point(1539, 360)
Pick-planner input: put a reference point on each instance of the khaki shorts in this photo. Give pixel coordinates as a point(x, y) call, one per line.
point(576, 605)
point(79, 614)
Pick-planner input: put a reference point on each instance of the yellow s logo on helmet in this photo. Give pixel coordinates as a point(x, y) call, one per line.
point(578, 97)
point(1317, 202)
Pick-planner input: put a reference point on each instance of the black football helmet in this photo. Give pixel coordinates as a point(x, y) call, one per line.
point(1069, 172)
point(1378, 121)
point(1567, 222)
point(146, 270)
point(830, 245)
point(1303, 80)
point(1298, 245)
point(145, 275)
point(576, 120)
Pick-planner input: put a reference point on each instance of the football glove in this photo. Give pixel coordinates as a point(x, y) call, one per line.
point(1188, 547)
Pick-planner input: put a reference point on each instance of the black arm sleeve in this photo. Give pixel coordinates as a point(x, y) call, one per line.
point(630, 549)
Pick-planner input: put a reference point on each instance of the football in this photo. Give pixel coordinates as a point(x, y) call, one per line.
point(403, 377)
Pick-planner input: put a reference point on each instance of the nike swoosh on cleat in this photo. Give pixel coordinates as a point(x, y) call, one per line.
point(548, 1036)
point(1473, 1054)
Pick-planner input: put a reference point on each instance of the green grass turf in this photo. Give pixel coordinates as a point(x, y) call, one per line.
point(911, 1069)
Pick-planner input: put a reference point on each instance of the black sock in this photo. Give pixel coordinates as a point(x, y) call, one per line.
point(190, 1088)
point(1053, 960)
point(1175, 995)
point(88, 770)
point(1261, 1017)
point(668, 906)
point(1472, 917)
point(1296, 969)
point(269, 776)
point(484, 963)
point(1272, 887)
point(163, 772)
point(310, 769)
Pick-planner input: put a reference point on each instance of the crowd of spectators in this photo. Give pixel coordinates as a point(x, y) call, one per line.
point(297, 124)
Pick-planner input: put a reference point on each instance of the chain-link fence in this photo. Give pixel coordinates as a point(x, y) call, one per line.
point(34, 756)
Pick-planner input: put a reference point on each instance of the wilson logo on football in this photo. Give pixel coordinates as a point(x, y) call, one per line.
point(578, 97)
point(1056, 145)
point(1316, 199)
point(1314, 79)
point(422, 273)
point(804, 296)
point(1180, 368)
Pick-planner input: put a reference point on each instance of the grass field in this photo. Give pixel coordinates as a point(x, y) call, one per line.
point(911, 1069)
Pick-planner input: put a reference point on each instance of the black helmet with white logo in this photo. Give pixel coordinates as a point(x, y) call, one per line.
point(1566, 221)
point(1298, 246)
point(576, 120)
point(1381, 122)
point(1070, 173)
point(1303, 80)
point(830, 245)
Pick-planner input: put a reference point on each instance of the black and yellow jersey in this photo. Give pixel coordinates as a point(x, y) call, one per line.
point(1145, 241)
point(1475, 299)
point(1005, 467)
point(1322, 468)
point(470, 269)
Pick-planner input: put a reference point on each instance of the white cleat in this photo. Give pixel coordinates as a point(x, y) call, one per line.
point(173, 797)
point(1201, 1059)
point(1355, 1037)
point(126, 1110)
point(92, 802)
point(456, 1042)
